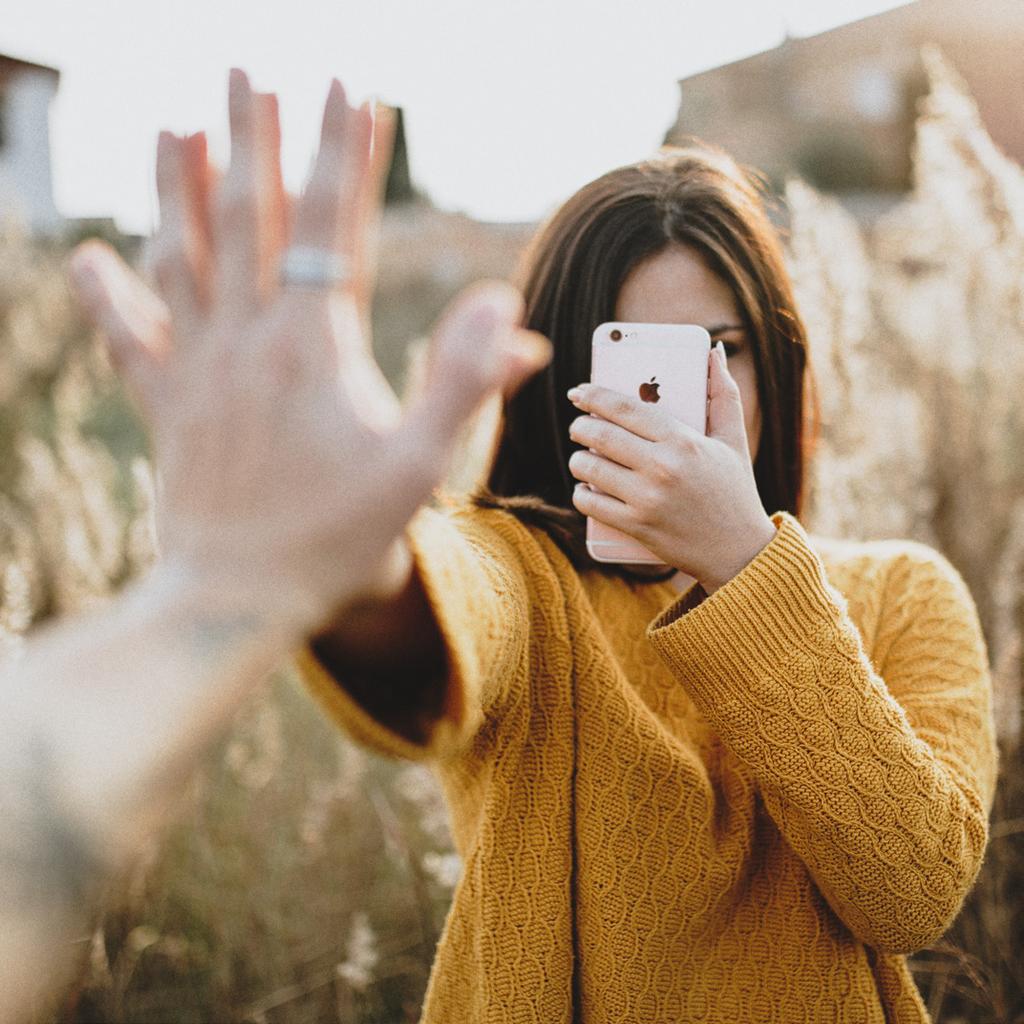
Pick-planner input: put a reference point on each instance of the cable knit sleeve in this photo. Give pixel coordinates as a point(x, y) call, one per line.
point(881, 781)
point(475, 584)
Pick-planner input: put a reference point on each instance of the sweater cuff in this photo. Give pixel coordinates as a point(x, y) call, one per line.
point(442, 566)
point(779, 603)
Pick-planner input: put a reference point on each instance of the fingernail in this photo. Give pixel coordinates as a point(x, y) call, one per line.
point(720, 349)
point(574, 394)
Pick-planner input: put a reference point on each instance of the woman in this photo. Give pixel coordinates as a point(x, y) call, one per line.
point(737, 792)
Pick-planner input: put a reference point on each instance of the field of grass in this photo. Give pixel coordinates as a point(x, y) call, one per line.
point(307, 880)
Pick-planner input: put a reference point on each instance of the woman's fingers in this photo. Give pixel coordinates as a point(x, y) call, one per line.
point(604, 508)
point(611, 441)
point(134, 321)
point(725, 404)
point(642, 418)
point(604, 474)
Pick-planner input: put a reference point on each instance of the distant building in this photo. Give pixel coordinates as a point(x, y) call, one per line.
point(838, 108)
point(26, 182)
point(399, 187)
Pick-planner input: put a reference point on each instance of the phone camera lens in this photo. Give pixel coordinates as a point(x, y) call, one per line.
point(616, 335)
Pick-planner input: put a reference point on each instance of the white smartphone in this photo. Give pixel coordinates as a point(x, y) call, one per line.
point(665, 364)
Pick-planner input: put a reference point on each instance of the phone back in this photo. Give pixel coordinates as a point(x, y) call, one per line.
point(662, 363)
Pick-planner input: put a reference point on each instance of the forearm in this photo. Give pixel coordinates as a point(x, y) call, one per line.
point(116, 706)
point(104, 718)
point(891, 826)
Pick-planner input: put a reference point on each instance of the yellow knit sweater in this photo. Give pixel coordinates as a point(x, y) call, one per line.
point(741, 809)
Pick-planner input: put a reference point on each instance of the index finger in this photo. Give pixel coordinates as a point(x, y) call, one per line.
point(642, 418)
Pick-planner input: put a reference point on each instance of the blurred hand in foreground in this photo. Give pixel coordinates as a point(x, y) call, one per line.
point(288, 471)
point(287, 467)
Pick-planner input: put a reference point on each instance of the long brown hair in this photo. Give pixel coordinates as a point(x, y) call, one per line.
point(571, 277)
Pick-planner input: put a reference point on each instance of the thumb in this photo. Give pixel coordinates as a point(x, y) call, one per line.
point(725, 406)
point(476, 349)
point(526, 353)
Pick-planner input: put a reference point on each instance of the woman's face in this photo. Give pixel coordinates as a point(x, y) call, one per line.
point(677, 287)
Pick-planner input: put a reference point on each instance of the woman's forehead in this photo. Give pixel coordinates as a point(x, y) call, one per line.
point(676, 286)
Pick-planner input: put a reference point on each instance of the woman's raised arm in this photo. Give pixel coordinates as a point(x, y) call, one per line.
point(881, 780)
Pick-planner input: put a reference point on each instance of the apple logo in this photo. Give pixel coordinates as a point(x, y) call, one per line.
point(649, 391)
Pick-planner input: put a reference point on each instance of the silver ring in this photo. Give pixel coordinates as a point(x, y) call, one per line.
point(304, 266)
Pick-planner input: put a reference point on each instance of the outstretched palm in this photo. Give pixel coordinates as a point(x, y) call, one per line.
point(288, 468)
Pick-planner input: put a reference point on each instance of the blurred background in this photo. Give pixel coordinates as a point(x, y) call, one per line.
point(308, 880)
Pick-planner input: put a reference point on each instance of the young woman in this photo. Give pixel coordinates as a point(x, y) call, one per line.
point(738, 791)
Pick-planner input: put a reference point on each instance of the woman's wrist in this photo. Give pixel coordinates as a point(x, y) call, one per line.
point(739, 557)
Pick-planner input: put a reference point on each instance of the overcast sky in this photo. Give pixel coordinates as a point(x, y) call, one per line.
point(510, 106)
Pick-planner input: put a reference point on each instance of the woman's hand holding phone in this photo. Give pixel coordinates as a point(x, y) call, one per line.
point(690, 499)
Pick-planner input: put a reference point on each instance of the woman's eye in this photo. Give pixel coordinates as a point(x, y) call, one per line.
point(731, 347)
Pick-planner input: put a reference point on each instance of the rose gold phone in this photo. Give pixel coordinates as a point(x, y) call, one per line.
point(662, 363)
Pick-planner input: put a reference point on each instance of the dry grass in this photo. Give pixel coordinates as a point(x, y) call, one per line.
point(917, 329)
point(308, 880)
